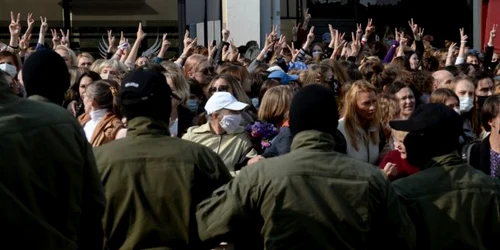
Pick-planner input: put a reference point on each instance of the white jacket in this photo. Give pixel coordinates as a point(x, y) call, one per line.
point(367, 151)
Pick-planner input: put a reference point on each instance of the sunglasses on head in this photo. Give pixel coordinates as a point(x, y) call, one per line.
point(222, 88)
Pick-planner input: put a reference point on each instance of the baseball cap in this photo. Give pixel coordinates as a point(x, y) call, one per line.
point(432, 118)
point(274, 68)
point(142, 85)
point(223, 100)
point(283, 77)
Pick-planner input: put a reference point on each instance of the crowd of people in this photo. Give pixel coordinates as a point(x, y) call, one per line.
point(345, 143)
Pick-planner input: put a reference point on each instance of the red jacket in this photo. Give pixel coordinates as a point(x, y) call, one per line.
point(403, 168)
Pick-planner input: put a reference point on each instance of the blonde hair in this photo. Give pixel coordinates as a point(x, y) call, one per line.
point(339, 72)
point(179, 82)
point(389, 109)
point(85, 55)
point(350, 113)
point(276, 105)
point(71, 53)
point(118, 67)
point(96, 65)
point(315, 73)
point(193, 62)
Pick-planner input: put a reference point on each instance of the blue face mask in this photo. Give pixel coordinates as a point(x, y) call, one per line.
point(255, 102)
point(192, 105)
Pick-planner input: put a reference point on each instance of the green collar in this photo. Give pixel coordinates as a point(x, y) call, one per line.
point(146, 126)
point(313, 139)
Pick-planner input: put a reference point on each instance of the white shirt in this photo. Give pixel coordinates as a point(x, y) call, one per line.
point(174, 128)
point(95, 117)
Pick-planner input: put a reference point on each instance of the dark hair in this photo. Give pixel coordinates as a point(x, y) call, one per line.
point(395, 87)
point(196, 89)
point(153, 67)
point(441, 95)
point(106, 95)
point(453, 69)
point(86, 73)
point(481, 75)
point(490, 110)
point(267, 84)
point(423, 80)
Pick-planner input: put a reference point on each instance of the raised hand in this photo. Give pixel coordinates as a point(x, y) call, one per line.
point(30, 20)
point(295, 29)
point(295, 52)
point(65, 38)
point(140, 33)
point(310, 35)
point(463, 36)
point(307, 18)
point(493, 32)
point(111, 39)
point(355, 45)
point(56, 40)
point(44, 26)
point(369, 27)
point(187, 40)
point(24, 42)
point(164, 42)
point(15, 25)
point(413, 26)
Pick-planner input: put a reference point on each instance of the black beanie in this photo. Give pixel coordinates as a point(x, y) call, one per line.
point(45, 74)
point(314, 108)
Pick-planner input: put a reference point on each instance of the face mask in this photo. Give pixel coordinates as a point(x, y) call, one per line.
point(192, 105)
point(316, 53)
point(107, 76)
point(230, 123)
point(255, 102)
point(466, 104)
point(9, 69)
point(481, 100)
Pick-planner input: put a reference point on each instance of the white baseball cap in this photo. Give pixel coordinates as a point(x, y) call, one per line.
point(223, 100)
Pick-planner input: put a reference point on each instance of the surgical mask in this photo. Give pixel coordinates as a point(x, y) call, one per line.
point(9, 69)
point(230, 123)
point(466, 104)
point(316, 53)
point(107, 76)
point(255, 102)
point(192, 105)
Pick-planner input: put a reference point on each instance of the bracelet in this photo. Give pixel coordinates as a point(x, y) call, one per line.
point(464, 41)
point(16, 47)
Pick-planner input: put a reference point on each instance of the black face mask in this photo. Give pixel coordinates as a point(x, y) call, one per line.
point(481, 100)
point(493, 65)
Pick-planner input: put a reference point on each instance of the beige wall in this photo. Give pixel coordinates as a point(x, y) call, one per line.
point(167, 11)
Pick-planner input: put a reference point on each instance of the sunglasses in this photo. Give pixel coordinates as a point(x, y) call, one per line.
point(207, 71)
point(222, 88)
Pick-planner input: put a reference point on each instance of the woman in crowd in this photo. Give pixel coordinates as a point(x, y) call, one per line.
point(76, 107)
point(181, 117)
point(447, 97)
point(405, 96)
point(360, 122)
point(102, 119)
point(464, 89)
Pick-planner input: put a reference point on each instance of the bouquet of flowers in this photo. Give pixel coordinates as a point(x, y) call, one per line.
point(263, 132)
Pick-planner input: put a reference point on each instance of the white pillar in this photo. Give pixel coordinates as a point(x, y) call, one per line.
point(277, 14)
point(476, 25)
point(243, 19)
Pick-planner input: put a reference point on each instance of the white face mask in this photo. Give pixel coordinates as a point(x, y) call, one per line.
point(108, 76)
point(316, 53)
point(466, 104)
point(230, 123)
point(9, 69)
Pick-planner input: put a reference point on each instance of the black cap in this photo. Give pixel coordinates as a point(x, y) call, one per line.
point(432, 118)
point(314, 108)
point(146, 93)
point(45, 74)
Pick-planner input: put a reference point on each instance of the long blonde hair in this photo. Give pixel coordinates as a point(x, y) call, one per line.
point(350, 113)
point(181, 87)
point(276, 105)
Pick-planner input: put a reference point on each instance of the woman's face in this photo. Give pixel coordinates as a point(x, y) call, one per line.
point(141, 61)
point(84, 62)
point(464, 88)
point(453, 103)
point(406, 101)
point(485, 87)
point(108, 73)
point(220, 85)
point(366, 105)
point(414, 61)
point(83, 85)
point(399, 145)
point(201, 72)
point(472, 59)
point(317, 51)
point(7, 60)
point(65, 55)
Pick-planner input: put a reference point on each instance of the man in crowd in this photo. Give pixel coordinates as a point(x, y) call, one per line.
point(50, 193)
point(311, 198)
point(452, 205)
point(153, 181)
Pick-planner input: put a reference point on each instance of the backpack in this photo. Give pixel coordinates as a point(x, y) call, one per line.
point(466, 151)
